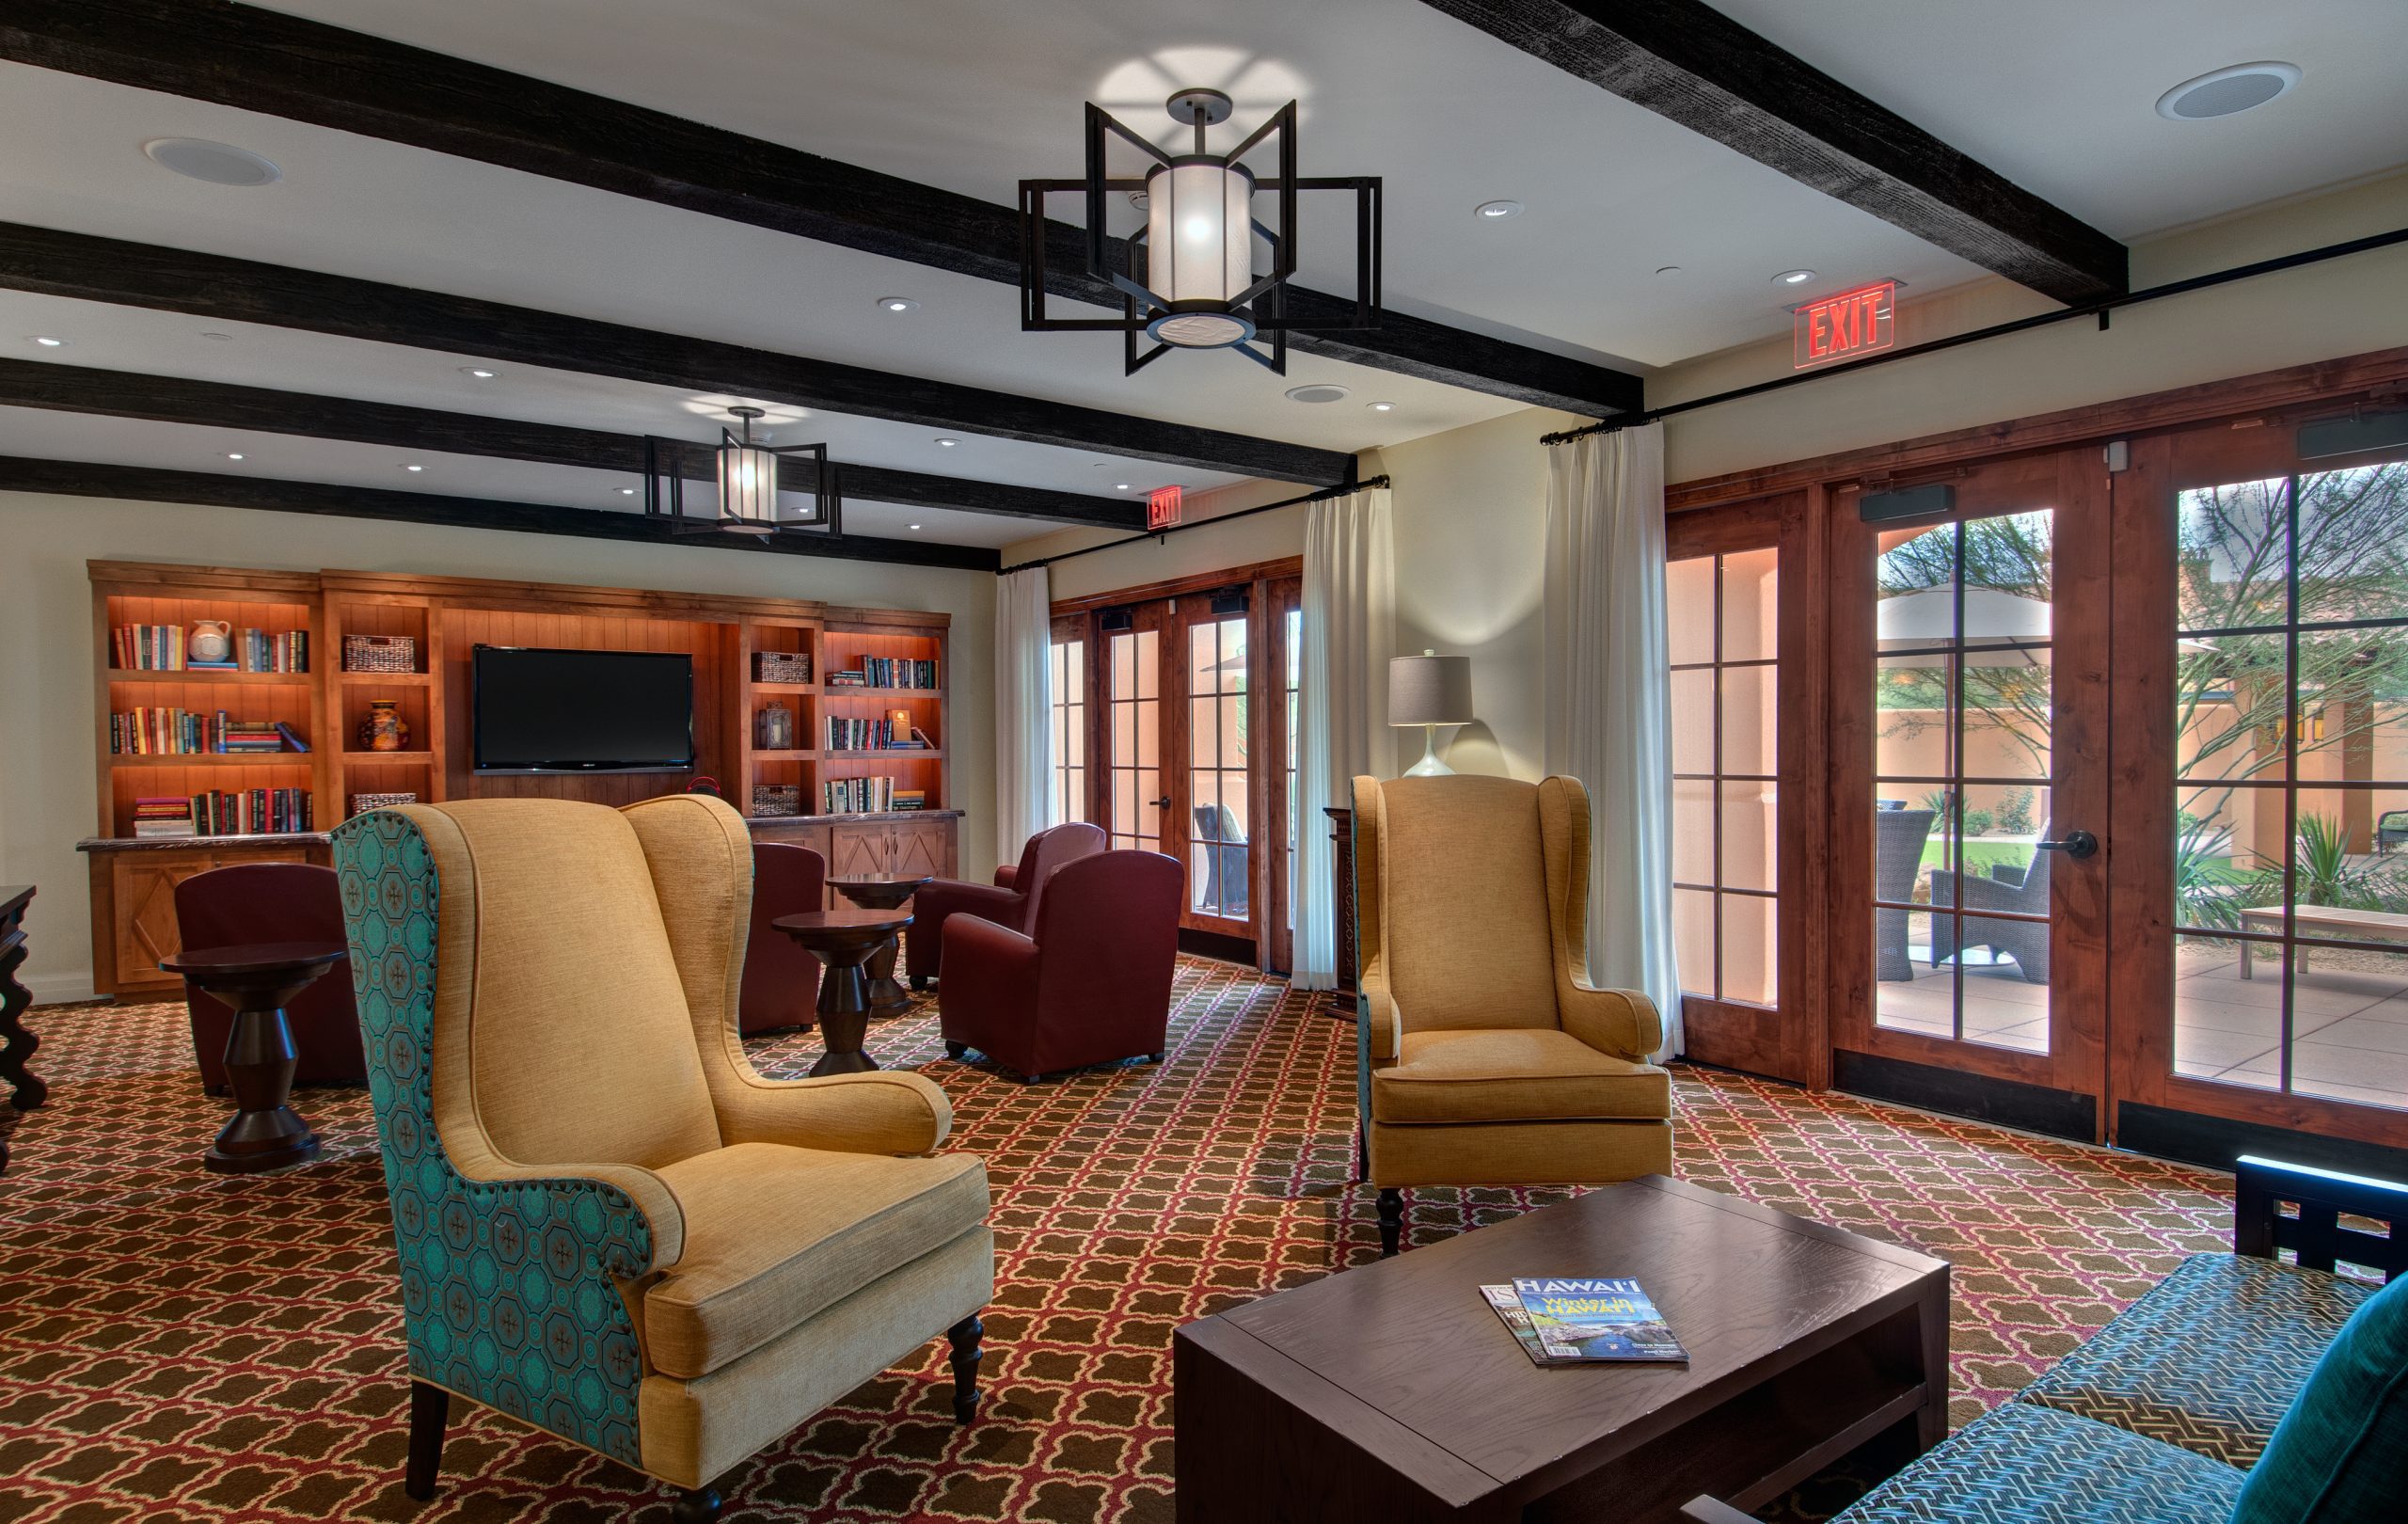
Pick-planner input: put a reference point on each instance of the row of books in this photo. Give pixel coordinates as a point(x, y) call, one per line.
point(1561, 1321)
point(248, 812)
point(868, 796)
point(873, 735)
point(885, 672)
point(163, 649)
point(155, 731)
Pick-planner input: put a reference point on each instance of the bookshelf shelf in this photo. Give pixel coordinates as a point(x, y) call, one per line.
point(799, 690)
point(887, 754)
point(354, 754)
point(210, 675)
point(385, 679)
point(209, 759)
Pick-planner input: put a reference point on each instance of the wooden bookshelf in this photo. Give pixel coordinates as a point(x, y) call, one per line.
point(446, 619)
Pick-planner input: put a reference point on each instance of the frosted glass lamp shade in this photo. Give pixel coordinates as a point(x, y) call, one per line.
point(748, 488)
point(1430, 690)
point(1200, 241)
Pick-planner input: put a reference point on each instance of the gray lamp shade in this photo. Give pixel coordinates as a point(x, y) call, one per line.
point(1430, 690)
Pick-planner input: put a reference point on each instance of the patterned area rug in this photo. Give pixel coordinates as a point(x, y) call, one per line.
point(174, 1345)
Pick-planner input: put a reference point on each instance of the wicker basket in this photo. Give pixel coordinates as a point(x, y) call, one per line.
point(379, 653)
point(775, 799)
point(362, 804)
point(781, 667)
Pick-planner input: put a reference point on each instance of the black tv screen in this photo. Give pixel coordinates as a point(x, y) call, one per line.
point(542, 710)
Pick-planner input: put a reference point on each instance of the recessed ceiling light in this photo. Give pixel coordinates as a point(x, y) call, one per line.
point(1497, 211)
point(233, 454)
point(1119, 487)
point(1668, 269)
point(1793, 278)
point(915, 525)
point(47, 342)
point(626, 492)
point(211, 333)
point(412, 467)
point(1317, 392)
point(479, 372)
point(947, 444)
point(1381, 407)
point(2227, 91)
point(220, 164)
point(897, 303)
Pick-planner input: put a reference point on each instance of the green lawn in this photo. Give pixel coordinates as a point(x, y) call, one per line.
point(1979, 854)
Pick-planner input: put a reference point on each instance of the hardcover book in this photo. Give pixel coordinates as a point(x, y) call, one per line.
point(1586, 1320)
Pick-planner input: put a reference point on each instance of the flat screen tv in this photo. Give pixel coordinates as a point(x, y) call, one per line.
point(539, 710)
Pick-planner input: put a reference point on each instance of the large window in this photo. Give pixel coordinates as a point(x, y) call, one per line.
point(1069, 796)
point(1724, 618)
point(2292, 795)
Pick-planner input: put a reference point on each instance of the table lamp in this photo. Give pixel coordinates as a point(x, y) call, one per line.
point(1430, 691)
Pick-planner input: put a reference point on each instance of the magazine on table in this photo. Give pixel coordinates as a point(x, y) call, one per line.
point(1584, 1321)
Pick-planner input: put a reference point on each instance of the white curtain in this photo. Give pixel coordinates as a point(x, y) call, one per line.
point(1608, 698)
point(1342, 699)
point(1024, 710)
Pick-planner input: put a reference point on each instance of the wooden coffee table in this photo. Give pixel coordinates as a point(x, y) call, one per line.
point(1391, 1392)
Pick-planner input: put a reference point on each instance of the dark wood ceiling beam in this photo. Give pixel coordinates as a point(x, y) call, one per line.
point(306, 70)
point(168, 399)
point(143, 483)
point(125, 273)
point(1686, 61)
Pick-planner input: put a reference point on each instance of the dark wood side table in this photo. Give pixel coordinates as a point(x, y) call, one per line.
point(887, 997)
point(1392, 1392)
point(258, 981)
point(25, 1089)
point(844, 941)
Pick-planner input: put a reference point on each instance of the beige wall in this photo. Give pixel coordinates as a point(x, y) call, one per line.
point(1470, 504)
point(46, 702)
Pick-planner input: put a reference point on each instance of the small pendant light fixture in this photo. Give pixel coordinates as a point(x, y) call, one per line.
point(1186, 279)
point(756, 489)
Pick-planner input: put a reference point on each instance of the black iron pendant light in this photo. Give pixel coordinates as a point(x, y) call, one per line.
point(1187, 280)
point(759, 492)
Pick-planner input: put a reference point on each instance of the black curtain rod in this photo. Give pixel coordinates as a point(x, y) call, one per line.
point(1322, 495)
point(2099, 308)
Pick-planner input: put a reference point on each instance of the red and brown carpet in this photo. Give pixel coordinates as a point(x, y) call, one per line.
point(174, 1345)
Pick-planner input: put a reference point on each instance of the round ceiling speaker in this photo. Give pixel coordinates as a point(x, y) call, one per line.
point(220, 164)
point(1322, 393)
point(2227, 91)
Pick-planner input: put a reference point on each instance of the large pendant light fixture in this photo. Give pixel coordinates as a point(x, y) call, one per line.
point(759, 493)
point(1187, 277)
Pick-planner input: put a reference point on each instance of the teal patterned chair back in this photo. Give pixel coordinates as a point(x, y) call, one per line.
point(509, 1287)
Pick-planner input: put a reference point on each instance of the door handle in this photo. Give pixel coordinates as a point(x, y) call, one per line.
point(2076, 843)
point(1162, 803)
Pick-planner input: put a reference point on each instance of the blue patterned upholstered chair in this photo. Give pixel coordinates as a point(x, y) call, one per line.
point(610, 1227)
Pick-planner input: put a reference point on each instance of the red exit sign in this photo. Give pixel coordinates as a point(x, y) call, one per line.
point(1162, 507)
point(1841, 328)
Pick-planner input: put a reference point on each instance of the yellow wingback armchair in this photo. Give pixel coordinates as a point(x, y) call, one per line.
point(610, 1225)
point(1486, 1057)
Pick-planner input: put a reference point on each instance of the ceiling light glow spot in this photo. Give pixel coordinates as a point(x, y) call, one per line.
point(1498, 210)
point(233, 454)
point(1793, 278)
point(626, 492)
point(947, 444)
point(479, 372)
point(48, 342)
point(1381, 407)
point(412, 467)
point(897, 303)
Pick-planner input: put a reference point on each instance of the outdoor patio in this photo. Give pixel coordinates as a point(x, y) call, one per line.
point(2350, 1020)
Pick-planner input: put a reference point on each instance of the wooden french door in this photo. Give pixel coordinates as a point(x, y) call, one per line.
point(1969, 817)
point(1191, 699)
point(2261, 693)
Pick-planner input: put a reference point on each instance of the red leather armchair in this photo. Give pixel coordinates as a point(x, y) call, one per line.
point(781, 980)
point(1011, 901)
point(1089, 982)
point(255, 902)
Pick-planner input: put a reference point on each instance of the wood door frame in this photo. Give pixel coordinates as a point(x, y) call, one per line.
point(2147, 618)
point(1789, 1040)
point(2079, 661)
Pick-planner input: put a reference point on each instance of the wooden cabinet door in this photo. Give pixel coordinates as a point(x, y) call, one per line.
point(921, 847)
point(144, 886)
point(860, 851)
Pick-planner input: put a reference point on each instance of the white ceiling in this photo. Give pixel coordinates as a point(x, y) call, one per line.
point(2057, 94)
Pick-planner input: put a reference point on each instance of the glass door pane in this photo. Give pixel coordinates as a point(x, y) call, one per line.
point(1963, 707)
point(1724, 618)
point(1132, 735)
point(1069, 796)
point(2290, 890)
point(1219, 824)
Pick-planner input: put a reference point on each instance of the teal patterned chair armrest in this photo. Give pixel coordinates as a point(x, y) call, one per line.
point(508, 1289)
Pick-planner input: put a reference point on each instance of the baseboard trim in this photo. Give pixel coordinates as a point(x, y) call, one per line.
point(61, 989)
point(2215, 1142)
point(2031, 1108)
